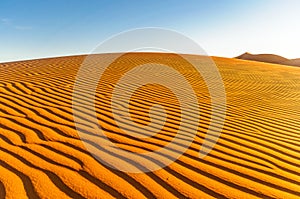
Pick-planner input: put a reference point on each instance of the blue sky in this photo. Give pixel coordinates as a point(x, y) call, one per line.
point(47, 28)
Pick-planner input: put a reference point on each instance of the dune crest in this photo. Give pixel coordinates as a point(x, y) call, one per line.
point(269, 58)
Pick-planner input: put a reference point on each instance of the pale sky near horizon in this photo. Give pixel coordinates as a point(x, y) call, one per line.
point(36, 29)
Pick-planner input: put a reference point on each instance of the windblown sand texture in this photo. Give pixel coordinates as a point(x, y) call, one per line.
point(257, 155)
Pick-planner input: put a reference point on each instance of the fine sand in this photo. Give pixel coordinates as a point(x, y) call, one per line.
point(257, 155)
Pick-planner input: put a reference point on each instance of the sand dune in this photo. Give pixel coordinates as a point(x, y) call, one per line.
point(257, 155)
point(292, 62)
point(269, 58)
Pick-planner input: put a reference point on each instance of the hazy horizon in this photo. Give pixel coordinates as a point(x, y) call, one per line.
point(39, 29)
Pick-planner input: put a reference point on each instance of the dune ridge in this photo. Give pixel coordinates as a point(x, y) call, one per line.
point(269, 58)
point(257, 155)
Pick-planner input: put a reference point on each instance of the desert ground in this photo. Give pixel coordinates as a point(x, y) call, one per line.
point(256, 156)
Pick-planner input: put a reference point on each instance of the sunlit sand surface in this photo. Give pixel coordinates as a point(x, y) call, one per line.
point(256, 156)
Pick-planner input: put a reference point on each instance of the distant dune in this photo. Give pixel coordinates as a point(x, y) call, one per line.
point(292, 62)
point(269, 58)
point(257, 155)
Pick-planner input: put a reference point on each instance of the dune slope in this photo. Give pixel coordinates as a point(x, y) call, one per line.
point(257, 155)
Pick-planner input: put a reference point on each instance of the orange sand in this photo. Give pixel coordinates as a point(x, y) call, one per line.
point(257, 155)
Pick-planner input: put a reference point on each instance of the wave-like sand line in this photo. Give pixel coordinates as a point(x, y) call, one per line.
point(42, 156)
